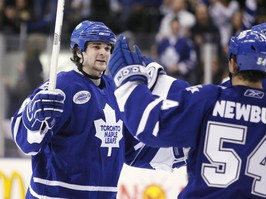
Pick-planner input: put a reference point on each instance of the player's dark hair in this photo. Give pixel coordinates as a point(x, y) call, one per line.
point(249, 75)
point(75, 59)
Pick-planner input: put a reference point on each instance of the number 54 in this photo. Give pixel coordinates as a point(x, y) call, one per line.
point(225, 163)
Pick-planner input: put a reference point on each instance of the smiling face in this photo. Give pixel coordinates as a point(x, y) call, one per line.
point(96, 58)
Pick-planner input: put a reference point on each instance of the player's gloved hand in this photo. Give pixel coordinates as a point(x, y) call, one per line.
point(153, 68)
point(42, 110)
point(125, 65)
point(146, 60)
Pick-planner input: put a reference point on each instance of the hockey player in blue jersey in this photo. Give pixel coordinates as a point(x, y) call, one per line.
point(223, 126)
point(75, 135)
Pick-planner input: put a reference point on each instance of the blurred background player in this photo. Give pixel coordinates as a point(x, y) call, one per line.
point(75, 135)
point(223, 126)
point(177, 53)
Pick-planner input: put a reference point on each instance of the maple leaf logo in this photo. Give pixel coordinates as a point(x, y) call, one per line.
point(194, 89)
point(109, 131)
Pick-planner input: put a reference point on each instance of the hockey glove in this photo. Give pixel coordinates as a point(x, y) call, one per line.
point(125, 65)
point(42, 110)
point(153, 68)
point(146, 60)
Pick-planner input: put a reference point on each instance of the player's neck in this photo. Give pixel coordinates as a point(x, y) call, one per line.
point(97, 82)
point(240, 82)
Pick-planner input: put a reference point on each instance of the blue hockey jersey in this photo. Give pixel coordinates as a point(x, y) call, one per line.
point(165, 87)
point(224, 127)
point(82, 156)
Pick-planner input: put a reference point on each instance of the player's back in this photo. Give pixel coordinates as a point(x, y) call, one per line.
point(229, 159)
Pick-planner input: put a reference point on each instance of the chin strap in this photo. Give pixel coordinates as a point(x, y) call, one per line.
point(90, 76)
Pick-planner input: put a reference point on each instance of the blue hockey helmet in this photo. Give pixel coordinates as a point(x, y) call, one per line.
point(249, 47)
point(260, 28)
point(91, 31)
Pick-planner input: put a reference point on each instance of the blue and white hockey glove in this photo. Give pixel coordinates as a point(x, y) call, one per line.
point(153, 68)
point(146, 60)
point(125, 65)
point(42, 110)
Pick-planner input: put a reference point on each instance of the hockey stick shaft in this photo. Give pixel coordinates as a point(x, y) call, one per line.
point(56, 44)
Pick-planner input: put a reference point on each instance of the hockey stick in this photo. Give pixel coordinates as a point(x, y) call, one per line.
point(56, 44)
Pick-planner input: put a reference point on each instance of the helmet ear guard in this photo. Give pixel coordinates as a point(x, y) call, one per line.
point(88, 31)
point(249, 47)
